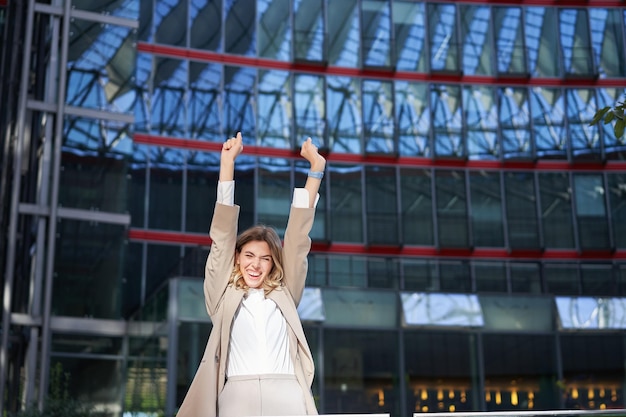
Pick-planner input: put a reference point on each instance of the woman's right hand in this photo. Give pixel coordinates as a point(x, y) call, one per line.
point(232, 148)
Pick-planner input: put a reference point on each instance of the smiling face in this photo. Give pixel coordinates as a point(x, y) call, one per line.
point(255, 262)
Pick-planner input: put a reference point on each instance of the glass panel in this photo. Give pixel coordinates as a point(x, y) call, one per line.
point(360, 308)
point(382, 273)
point(205, 24)
point(75, 376)
point(413, 117)
point(347, 271)
point(440, 372)
point(169, 100)
point(525, 277)
point(486, 209)
point(591, 313)
point(165, 262)
point(101, 66)
point(541, 32)
point(275, 193)
point(442, 32)
point(318, 270)
point(621, 278)
point(133, 282)
point(556, 210)
point(309, 29)
point(490, 277)
point(344, 37)
point(240, 38)
point(447, 120)
point(309, 107)
point(520, 372)
point(481, 122)
point(201, 192)
point(521, 210)
point(166, 186)
point(239, 109)
point(142, 107)
point(274, 29)
point(455, 276)
point(118, 8)
point(95, 345)
point(593, 372)
point(245, 190)
point(419, 275)
point(94, 165)
point(452, 221)
point(361, 372)
point(190, 300)
point(311, 307)
point(381, 205)
point(378, 123)
point(88, 266)
point(597, 279)
point(146, 11)
point(509, 40)
point(274, 108)
point(343, 100)
point(561, 278)
point(614, 148)
point(319, 230)
point(417, 207)
point(607, 41)
point(551, 140)
point(517, 313)
point(205, 99)
point(170, 22)
point(476, 36)
point(514, 118)
point(617, 203)
point(191, 339)
point(410, 35)
point(585, 139)
point(137, 181)
point(593, 228)
point(423, 309)
point(376, 33)
point(346, 204)
point(575, 42)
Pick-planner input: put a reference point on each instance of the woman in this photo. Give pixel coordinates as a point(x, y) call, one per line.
point(257, 360)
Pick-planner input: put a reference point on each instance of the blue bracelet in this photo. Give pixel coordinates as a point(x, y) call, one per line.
point(316, 174)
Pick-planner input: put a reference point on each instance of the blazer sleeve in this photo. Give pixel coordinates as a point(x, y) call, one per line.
point(219, 264)
point(296, 247)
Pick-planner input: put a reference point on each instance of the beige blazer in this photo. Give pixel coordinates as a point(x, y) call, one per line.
point(223, 300)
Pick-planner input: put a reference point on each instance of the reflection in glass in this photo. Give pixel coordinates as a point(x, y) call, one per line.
point(591, 313)
point(481, 122)
point(345, 125)
point(344, 37)
point(239, 108)
point(556, 210)
point(205, 110)
point(410, 35)
point(376, 32)
point(575, 42)
point(274, 195)
point(417, 207)
point(510, 48)
point(274, 109)
point(191, 339)
point(413, 118)
point(486, 209)
point(101, 66)
point(378, 122)
point(309, 107)
point(169, 97)
point(309, 29)
point(419, 275)
point(476, 35)
point(142, 104)
point(546, 107)
point(607, 41)
point(447, 120)
point(504, 313)
point(614, 148)
point(431, 309)
point(347, 271)
point(561, 278)
point(521, 210)
point(525, 277)
point(455, 276)
point(585, 139)
point(617, 203)
point(205, 24)
point(514, 119)
point(346, 204)
point(597, 279)
point(360, 308)
point(452, 220)
point(201, 190)
point(166, 187)
point(381, 205)
point(490, 277)
point(240, 38)
point(542, 41)
point(591, 214)
point(274, 29)
point(442, 32)
point(170, 22)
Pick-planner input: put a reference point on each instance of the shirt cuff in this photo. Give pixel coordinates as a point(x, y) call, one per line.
point(226, 193)
point(301, 198)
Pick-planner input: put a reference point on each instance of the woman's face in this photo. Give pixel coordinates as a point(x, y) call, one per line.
point(255, 262)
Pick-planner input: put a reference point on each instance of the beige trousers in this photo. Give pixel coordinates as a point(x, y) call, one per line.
point(261, 395)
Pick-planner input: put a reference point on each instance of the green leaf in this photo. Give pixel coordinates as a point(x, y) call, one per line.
point(609, 118)
point(619, 128)
point(599, 115)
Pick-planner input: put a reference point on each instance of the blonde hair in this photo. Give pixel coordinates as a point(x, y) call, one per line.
point(266, 234)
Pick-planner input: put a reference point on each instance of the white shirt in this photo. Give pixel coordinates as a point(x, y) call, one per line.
point(259, 342)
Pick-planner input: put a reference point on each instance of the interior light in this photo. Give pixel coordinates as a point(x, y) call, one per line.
point(451, 394)
point(381, 398)
point(514, 399)
point(575, 393)
point(498, 397)
point(424, 396)
point(440, 395)
point(590, 394)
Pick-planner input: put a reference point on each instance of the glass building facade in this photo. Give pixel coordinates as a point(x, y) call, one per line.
point(469, 248)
